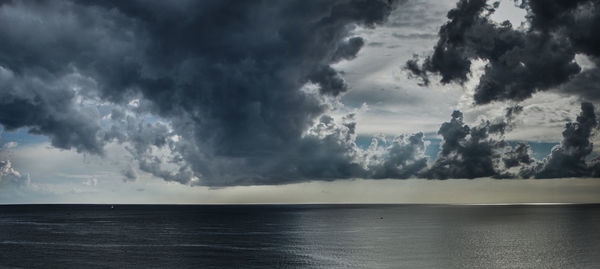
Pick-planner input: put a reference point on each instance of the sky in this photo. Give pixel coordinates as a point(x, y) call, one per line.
point(344, 101)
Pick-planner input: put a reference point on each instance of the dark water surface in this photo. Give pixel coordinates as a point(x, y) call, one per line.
point(300, 236)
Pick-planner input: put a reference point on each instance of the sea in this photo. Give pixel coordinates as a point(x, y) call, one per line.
point(300, 236)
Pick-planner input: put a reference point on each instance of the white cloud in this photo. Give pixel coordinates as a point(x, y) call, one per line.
point(10, 145)
point(91, 182)
point(10, 176)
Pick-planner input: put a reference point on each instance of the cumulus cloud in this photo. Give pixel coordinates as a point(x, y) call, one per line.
point(45, 104)
point(471, 152)
point(224, 79)
point(519, 62)
point(569, 158)
point(481, 151)
point(539, 56)
point(403, 158)
point(9, 177)
point(223, 93)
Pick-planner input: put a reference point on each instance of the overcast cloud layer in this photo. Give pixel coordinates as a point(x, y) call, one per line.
point(223, 93)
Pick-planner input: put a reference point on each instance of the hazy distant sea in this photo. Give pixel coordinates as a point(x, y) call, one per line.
point(300, 236)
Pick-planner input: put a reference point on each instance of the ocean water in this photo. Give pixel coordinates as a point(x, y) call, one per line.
point(300, 236)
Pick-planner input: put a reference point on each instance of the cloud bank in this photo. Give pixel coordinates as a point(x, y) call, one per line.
point(223, 93)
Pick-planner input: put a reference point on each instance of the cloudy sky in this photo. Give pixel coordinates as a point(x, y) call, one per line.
point(299, 101)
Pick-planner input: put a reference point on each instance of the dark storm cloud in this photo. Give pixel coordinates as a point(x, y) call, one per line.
point(465, 152)
point(569, 158)
point(50, 53)
point(472, 152)
point(223, 93)
point(584, 84)
point(480, 151)
point(519, 62)
point(45, 104)
point(225, 75)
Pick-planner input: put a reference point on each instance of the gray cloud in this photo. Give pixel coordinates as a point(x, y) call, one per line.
point(414, 36)
point(480, 151)
point(404, 158)
point(45, 104)
point(472, 152)
point(584, 84)
point(465, 152)
point(521, 154)
point(519, 62)
point(129, 173)
point(219, 93)
point(569, 158)
point(226, 80)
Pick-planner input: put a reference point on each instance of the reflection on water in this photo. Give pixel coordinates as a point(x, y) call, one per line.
point(300, 236)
